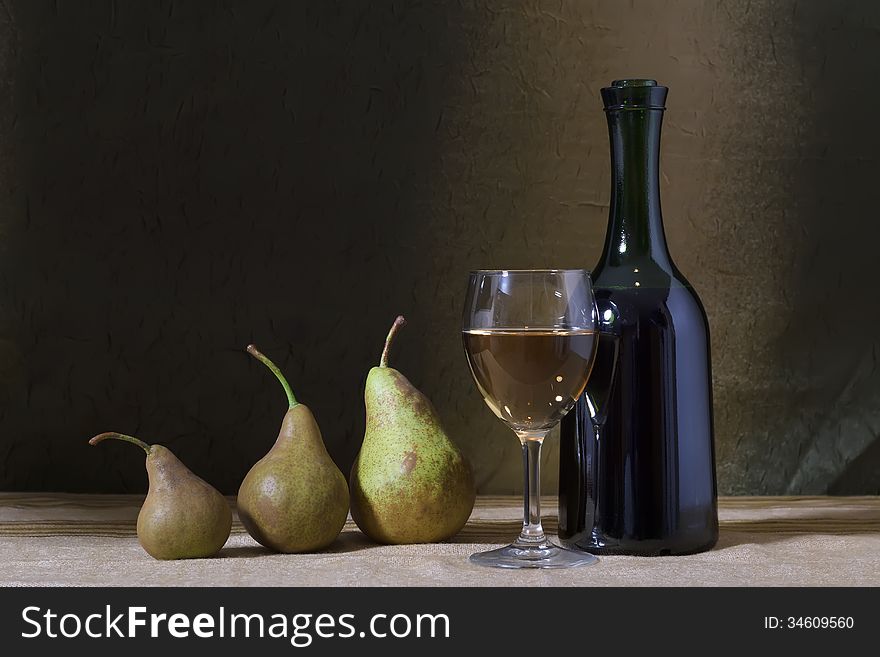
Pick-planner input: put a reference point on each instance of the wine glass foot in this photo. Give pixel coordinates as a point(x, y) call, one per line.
point(543, 555)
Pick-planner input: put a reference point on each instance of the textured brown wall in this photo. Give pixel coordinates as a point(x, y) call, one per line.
point(179, 180)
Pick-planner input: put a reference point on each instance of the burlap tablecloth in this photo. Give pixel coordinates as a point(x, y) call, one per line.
point(89, 540)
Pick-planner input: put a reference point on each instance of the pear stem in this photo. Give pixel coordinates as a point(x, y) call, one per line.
point(398, 324)
point(256, 353)
point(120, 436)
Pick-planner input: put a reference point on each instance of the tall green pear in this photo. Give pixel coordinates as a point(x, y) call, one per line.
point(294, 499)
point(409, 483)
point(183, 516)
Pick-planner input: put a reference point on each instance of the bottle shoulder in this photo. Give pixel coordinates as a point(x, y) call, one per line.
point(646, 290)
point(635, 276)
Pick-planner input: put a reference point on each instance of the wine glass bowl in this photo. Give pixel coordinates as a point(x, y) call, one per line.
point(530, 338)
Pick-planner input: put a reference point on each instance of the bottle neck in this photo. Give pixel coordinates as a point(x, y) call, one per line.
point(635, 224)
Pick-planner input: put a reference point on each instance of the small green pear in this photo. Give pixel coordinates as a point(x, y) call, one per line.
point(294, 499)
point(409, 483)
point(183, 516)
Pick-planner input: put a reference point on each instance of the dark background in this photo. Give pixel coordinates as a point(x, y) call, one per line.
point(179, 179)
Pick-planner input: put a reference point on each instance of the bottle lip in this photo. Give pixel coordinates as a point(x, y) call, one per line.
point(634, 94)
point(624, 107)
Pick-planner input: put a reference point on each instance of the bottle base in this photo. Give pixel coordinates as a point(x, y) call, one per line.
point(603, 546)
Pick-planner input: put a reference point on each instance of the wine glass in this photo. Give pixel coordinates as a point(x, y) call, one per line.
point(530, 339)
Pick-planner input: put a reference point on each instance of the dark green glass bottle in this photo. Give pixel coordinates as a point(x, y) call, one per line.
point(637, 465)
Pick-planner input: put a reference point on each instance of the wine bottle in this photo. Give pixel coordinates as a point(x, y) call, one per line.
point(637, 460)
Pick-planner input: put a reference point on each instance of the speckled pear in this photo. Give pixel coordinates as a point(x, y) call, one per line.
point(409, 483)
point(294, 499)
point(183, 516)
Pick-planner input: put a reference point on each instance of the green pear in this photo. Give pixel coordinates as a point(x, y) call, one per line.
point(183, 516)
point(409, 483)
point(294, 499)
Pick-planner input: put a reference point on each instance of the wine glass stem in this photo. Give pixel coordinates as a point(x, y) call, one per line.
point(532, 533)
